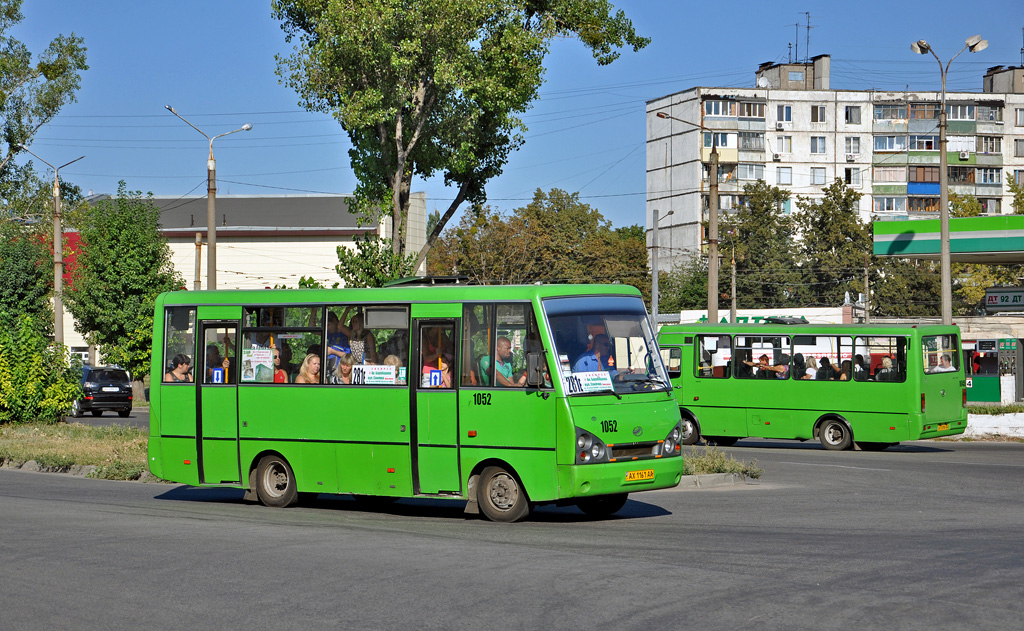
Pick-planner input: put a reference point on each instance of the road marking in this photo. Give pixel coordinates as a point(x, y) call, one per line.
point(838, 466)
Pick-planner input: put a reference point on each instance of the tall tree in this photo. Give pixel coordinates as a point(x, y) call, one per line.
point(432, 86)
point(1017, 190)
point(123, 265)
point(767, 274)
point(32, 92)
point(26, 272)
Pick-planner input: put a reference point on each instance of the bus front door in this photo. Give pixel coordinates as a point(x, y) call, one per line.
point(434, 418)
point(217, 425)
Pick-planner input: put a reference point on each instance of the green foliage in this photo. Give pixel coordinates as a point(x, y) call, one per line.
point(1017, 190)
point(434, 86)
point(32, 93)
point(26, 272)
point(836, 244)
point(905, 288)
point(963, 205)
point(556, 238)
point(685, 286)
point(38, 381)
point(710, 459)
point(373, 263)
point(124, 265)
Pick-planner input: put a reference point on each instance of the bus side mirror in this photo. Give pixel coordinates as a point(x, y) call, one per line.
point(535, 369)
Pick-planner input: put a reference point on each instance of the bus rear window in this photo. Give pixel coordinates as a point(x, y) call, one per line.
point(941, 353)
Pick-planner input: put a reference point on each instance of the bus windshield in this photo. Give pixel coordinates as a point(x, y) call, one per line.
point(604, 344)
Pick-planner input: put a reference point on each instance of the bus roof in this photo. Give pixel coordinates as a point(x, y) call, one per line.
point(810, 329)
point(407, 293)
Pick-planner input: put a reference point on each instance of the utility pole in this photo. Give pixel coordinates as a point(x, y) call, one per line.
point(867, 292)
point(199, 257)
point(732, 308)
point(713, 234)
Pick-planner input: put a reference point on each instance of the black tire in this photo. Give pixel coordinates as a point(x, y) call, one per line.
point(835, 435)
point(691, 432)
point(500, 496)
point(97, 412)
point(874, 446)
point(124, 413)
point(76, 409)
point(721, 441)
point(275, 482)
point(602, 505)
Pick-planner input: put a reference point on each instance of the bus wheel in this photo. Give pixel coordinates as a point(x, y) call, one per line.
point(691, 433)
point(874, 446)
point(835, 435)
point(500, 496)
point(602, 505)
point(275, 482)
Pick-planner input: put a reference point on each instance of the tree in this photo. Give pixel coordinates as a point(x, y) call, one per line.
point(124, 264)
point(1017, 190)
point(432, 86)
point(906, 288)
point(685, 286)
point(372, 264)
point(836, 244)
point(32, 93)
point(767, 274)
point(26, 272)
point(38, 380)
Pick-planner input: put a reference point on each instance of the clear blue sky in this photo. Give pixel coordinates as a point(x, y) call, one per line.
point(213, 60)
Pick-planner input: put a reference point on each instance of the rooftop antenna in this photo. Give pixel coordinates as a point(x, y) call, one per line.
point(791, 53)
point(796, 29)
point(1022, 48)
point(807, 47)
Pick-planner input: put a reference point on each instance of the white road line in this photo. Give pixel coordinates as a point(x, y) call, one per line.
point(838, 466)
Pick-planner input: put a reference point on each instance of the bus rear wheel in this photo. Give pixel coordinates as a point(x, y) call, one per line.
point(500, 496)
point(275, 482)
point(835, 435)
point(602, 505)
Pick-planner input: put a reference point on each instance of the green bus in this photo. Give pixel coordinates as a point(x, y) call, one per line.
point(845, 385)
point(503, 396)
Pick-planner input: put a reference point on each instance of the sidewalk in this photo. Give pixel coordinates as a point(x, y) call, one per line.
point(1007, 425)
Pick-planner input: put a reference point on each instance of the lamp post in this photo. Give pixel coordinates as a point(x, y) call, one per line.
point(654, 264)
point(211, 200)
point(58, 249)
point(712, 221)
point(974, 44)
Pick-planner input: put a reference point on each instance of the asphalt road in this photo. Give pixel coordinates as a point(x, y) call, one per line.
point(139, 417)
point(927, 536)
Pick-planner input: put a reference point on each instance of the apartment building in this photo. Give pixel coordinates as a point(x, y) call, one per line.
point(794, 132)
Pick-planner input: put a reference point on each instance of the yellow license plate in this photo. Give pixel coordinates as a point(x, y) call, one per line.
point(638, 476)
point(943, 427)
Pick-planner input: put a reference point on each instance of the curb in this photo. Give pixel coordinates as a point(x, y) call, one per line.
point(712, 480)
point(80, 471)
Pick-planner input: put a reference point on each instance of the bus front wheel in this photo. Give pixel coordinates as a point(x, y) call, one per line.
point(602, 505)
point(275, 482)
point(691, 432)
point(500, 496)
point(835, 435)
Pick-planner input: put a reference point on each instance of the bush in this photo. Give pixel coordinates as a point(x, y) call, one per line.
point(38, 381)
point(1013, 408)
point(710, 459)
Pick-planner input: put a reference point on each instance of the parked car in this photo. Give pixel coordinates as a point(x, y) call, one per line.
point(104, 388)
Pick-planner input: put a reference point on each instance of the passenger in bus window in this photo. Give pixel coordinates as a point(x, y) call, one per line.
point(885, 372)
point(181, 371)
point(844, 372)
point(214, 360)
point(799, 370)
point(503, 365)
point(826, 372)
point(280, 376)
point(744, 367)
point(860, 370)
point(343, 371)
point(309, 371)
point(599, 358)
point(781, 369)
point(945, 364)
point(393, 360)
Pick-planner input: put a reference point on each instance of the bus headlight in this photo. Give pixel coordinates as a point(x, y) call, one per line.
point(589, 448)
point(670, 446)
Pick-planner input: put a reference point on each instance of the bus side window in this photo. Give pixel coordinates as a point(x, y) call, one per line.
point(673, 359)
point(714, 353)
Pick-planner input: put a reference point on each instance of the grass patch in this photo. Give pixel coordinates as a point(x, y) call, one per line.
point(710, 459)
point(1013, 408)
point(118, 451)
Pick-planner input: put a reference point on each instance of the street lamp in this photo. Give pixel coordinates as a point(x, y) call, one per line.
point(654, 264)
point(211, 200)
point(974, 44)
point(712, 221)
point(58, 249)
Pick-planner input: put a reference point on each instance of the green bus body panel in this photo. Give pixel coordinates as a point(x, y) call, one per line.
point(764, 408)
point(357, 439)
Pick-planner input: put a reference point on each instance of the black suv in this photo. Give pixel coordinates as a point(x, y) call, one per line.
point(104, 388)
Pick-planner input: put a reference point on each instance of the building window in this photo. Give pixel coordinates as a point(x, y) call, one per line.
point(990, 144)
point(784, 144)
point(853, 145)
point(961, 143)
point(796, 75)
point(890, 143)
point(961, 175)
point(817, 144)
point(817, 113)
point(784, 175)
point(890, 204)
point(890, 112)
point(924, 174)
point(852, 177)
point(990, 113)
point(990, 176)
point(853, 115)
point(923, 204)
point(890, 174)
point(990, 206)
point(719, 108)
point(924, 143)
point(924, 110)
point(961, 112)
point(750, 171)
point(818, 175)
point(785, 113)
point(721, 139)
point(1020, 116)
point(752, 110)
point(1018, 147)
point(1018, 176)
point(752, 140)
